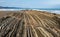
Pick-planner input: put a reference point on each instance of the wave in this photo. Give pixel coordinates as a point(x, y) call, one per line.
point(51, 11)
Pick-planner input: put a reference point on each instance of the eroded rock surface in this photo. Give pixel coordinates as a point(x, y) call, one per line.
point(30, 24)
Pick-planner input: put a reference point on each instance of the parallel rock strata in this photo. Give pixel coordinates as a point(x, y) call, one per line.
point(30, 24)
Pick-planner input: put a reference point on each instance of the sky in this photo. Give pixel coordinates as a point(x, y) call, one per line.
point(31, 3)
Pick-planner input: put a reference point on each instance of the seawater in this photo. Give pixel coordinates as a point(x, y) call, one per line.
point(51, 11)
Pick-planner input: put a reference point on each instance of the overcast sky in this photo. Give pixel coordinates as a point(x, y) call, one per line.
point(31, 3)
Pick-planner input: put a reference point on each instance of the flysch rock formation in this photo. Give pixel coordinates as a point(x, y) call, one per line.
point(30, 23)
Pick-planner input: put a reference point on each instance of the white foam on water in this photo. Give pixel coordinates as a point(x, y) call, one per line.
point(10, 9)
point(51, 11)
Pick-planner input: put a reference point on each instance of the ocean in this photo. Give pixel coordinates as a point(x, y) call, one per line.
point(51, 11)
